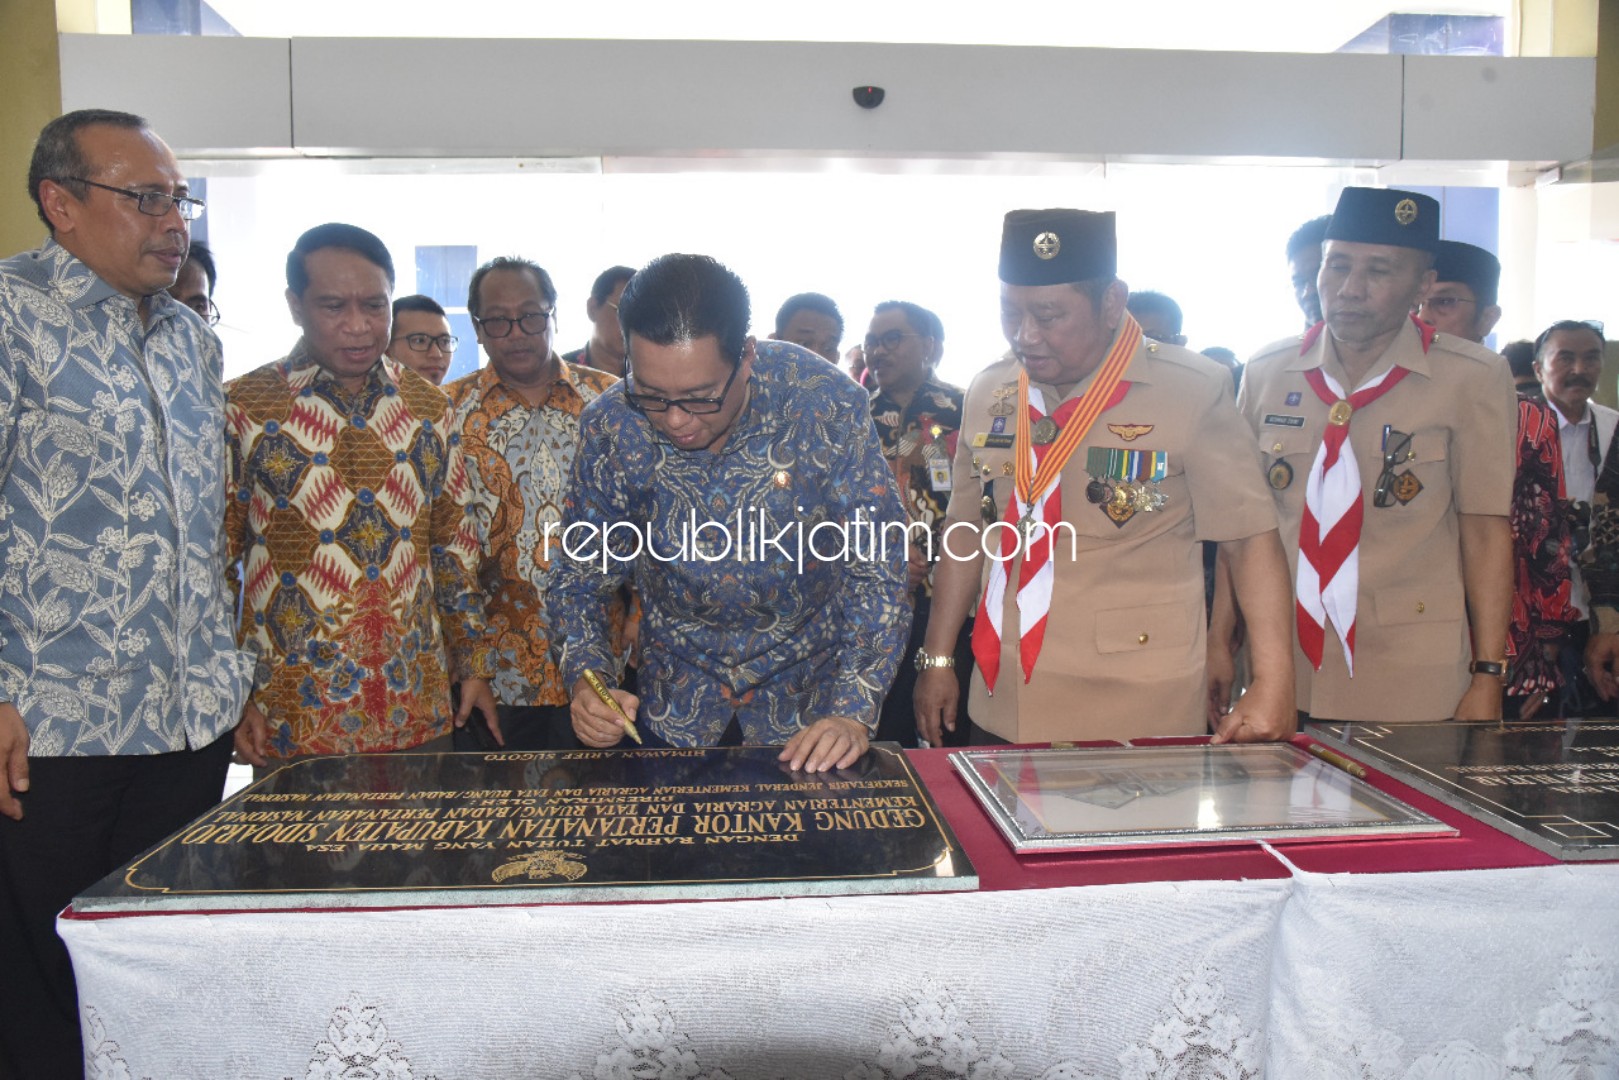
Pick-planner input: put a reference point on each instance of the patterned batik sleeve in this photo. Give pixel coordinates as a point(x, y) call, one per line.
point(872, 610)
point(455, 555)
point(579, 588)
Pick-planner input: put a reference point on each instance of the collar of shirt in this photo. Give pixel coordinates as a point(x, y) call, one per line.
point(564, 392)
point(1138, 370)
point(301, 370)
point(1564, 422)
point(78, 286)
point(1406, 350)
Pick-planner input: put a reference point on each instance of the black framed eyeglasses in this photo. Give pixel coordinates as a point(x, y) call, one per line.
point(150, 203)
point(889, 340)
point(692, 406)
point(1396, 452)
point(208, 310)
point(423, 342)
point(533, 324)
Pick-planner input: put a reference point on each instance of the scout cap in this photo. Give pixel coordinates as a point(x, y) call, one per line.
point(1471, 266)
point(1058, 247)
point(1386, 216)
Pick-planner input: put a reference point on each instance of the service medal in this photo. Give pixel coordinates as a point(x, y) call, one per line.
point(1044, 431)
point(986, 507)
point(1098, 492)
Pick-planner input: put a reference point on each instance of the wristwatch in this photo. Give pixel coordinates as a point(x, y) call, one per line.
point(925, 660)
point(1488, 667)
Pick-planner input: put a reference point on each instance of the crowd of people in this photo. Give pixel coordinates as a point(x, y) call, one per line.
point(1096, 539)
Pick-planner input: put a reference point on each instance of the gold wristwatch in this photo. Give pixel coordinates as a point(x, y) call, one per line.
point(925, 660)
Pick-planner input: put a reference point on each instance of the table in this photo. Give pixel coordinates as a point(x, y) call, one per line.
point(1473, 956)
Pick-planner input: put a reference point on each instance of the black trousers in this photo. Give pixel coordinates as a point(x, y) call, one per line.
point(524, 727)
point(83, 817)
point(897, 721)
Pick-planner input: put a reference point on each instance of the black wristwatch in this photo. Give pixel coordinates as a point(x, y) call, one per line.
point(1488, 667)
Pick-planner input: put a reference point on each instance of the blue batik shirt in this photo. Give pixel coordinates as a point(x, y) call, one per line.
point(750, 632)
point(115, 615)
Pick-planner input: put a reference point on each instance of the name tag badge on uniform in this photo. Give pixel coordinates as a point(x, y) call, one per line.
point(1283, 420)
point(998, 425)
point(987, 441)
point(1295, 397)
point(940, 477)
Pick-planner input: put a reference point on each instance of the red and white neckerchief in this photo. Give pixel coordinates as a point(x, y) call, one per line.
point(1328, 581)
point(1037, 496)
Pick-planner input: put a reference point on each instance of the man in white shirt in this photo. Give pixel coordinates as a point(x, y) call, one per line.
point(1568, 359)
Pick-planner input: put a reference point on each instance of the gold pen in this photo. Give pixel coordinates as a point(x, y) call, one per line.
point(602, 692)
point(1338, 761)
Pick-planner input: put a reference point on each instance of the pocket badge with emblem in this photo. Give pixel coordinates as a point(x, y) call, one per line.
point(1406, 487)
point(1280, 476)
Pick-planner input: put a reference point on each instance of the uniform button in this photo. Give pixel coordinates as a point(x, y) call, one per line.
point(1142, 639)
point(1421, 607)
point(1276, 448)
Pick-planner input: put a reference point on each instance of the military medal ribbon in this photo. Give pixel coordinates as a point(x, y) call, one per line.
point(1334, 507)
point(1037, 496)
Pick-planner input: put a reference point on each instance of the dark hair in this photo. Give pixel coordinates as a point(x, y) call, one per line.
point(1148, 301)
point(57, 155)
point(418, 302)
point(509, 262)
point(1568, 325)
point(681, 298)
point(808, 301)
point(922, 320)
point(1312, 234)
point(201, 254)
point(607, 281)
point(335, 234)
point(1520, 358)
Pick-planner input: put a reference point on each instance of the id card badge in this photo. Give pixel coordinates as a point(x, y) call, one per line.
point(939, 476)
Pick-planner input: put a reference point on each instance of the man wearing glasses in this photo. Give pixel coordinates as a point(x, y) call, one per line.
point(349, 517)
point(1389, 452)
point(712, 448)
point(918, 419)
point(421, 338)
point(1546, 607)
point(605, 349)
point(194, 287)
point(519, 425)
point(119, 677)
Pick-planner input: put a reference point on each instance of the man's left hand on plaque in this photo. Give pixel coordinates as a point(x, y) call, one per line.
point(834, 742)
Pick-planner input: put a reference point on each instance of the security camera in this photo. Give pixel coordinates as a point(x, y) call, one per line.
point(868, 97)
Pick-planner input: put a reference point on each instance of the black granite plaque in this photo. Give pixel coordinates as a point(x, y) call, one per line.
point(563, 827)
point(1553, 784)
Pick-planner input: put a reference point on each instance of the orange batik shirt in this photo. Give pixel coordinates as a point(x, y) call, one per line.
point(347, 522)
point(519, 460)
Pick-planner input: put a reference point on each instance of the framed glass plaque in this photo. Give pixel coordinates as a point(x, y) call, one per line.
point(1127, 797)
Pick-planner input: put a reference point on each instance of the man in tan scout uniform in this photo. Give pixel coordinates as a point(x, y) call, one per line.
point(1116, 455)
point(1389, 449)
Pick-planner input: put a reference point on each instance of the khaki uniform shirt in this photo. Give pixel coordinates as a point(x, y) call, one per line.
point(1123, 655)
point(1412, 643)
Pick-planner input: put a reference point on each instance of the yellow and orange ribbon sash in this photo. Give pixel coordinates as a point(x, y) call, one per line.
point(1031, 483)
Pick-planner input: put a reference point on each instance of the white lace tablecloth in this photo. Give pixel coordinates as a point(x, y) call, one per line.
point(1467, 974)
point(1151, 980)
